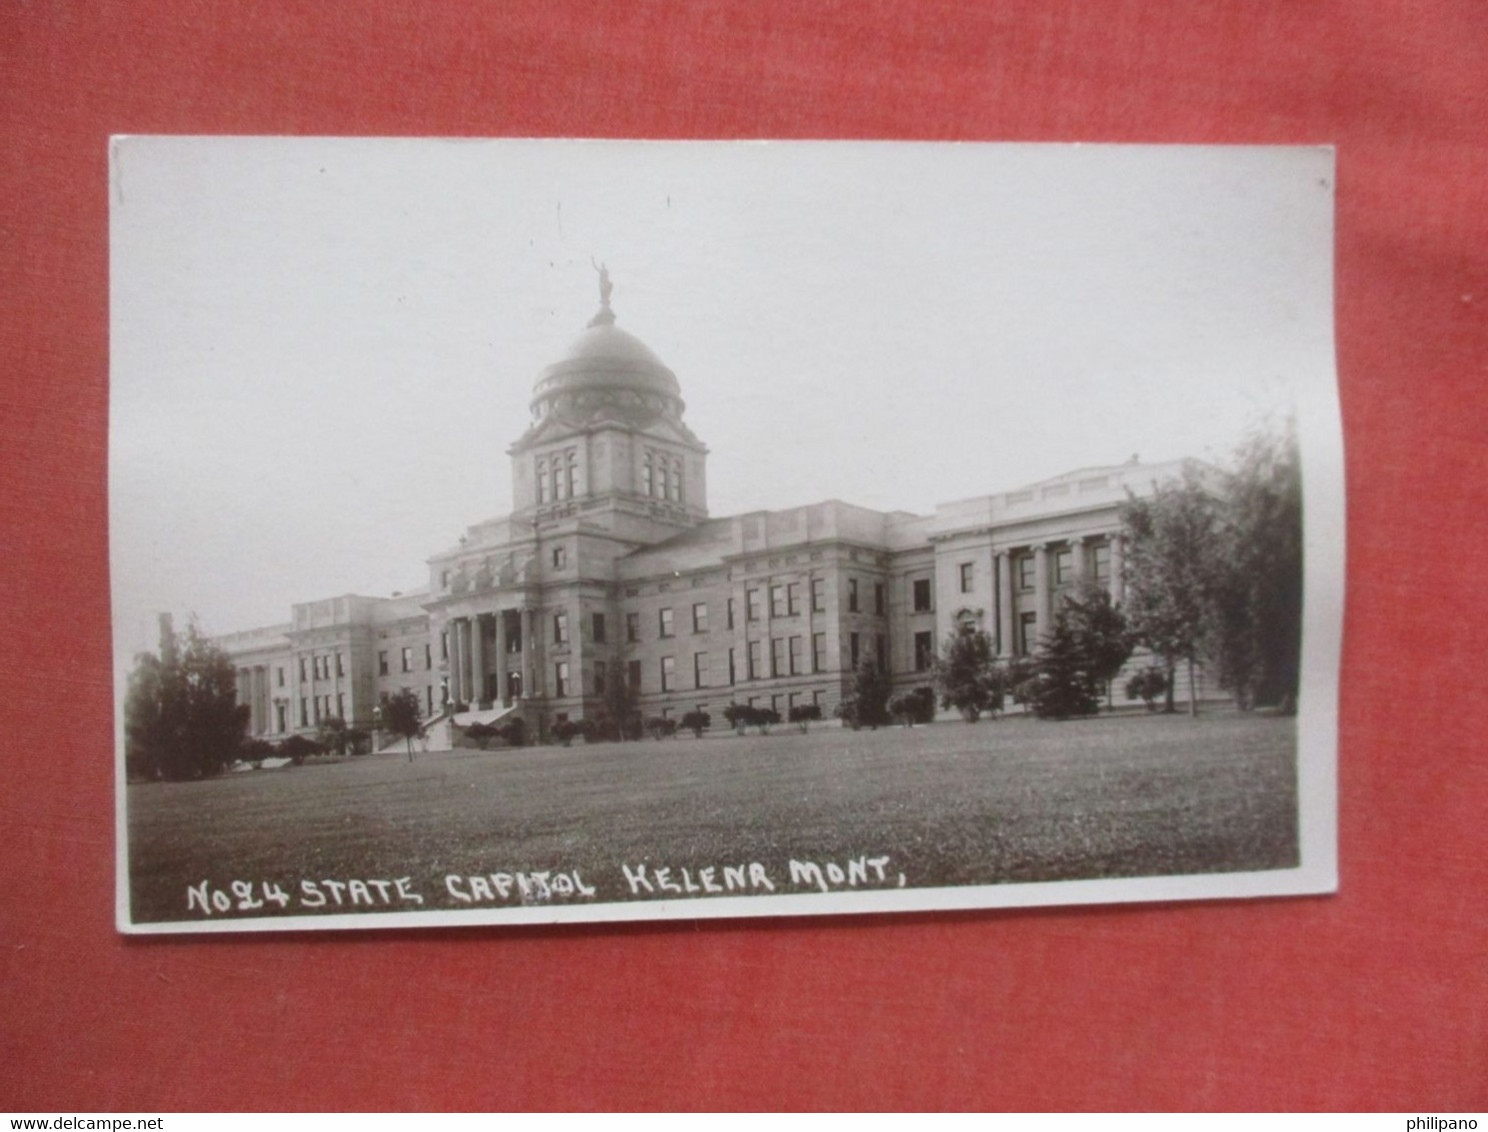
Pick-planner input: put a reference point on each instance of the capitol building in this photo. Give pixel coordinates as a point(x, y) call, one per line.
point(609, 568)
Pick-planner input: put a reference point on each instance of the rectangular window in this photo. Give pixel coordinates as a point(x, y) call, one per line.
point(633, 675)
point(304, 712)
point(1100, 566)
point(444, 645)
point(562, 677)
point(852, 595)
point(560, 628)
point(428, 657)
point(818, 652)
point(279, 679)
point(599, 629)
point(752, 601)
point(777, 656)
point(1025, 572)
point(699, 670)
point(632, 627)
point(599, 677)
point(754, 660)
point(777, 601)
point(795, 656)
point(1064, 566)
point(1028, 622)
point(407, 658)
point(428, 699)
point(733, 672)
point(340, 705)
point(668, 673)
point(968, 576)
point(793, 598)
point(700, 617)
point(560, 557)
point(730, 613)
point(279, 718)
point(302, 670)
point(922, 595)
point(878, 598)
point(382, 663)
point(852, 647)
point(924, 651)
point(665, 617)
point(818, 595)
point(775, 703)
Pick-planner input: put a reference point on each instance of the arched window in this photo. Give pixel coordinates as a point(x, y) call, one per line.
point(558, 481)
point(542, 481)
point(646, 475)
point(573, 475)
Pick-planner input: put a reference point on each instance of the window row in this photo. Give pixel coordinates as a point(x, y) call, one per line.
point(558, 477)
point(319, 667)
point(661, 476)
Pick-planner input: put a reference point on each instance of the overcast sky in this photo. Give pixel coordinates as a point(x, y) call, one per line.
point(322, 348)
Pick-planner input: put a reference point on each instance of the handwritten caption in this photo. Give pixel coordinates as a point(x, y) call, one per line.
point(537, 887)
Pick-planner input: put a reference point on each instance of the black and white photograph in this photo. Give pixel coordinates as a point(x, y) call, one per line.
point(527, 531)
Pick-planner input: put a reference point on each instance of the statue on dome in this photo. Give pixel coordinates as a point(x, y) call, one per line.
point(606, 288)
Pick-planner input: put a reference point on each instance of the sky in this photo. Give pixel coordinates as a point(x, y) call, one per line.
point(321, 348)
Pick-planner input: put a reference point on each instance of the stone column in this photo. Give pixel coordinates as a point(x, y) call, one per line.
point(1077, 557)
point(456, 668)
point(1117, 582)
point(500, 700)
point(1041, 586)
point(1004, 583)
point(477, 661)
point(529, 643)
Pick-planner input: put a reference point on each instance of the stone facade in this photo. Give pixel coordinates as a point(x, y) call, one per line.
point(609, 568)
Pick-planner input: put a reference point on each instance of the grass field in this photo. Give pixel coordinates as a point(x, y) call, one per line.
point(949, 804)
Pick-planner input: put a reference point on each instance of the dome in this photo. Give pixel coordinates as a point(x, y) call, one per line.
point(606, 366)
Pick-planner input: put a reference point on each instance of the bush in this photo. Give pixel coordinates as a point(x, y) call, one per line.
point(914, 707)
point(1147, 686)
point(802, 715)
point(565, 730)
point(481, 734)
point(297, 749)
point(358, 742)
point(513, 732)
point(697, 722)
point(256, 750)
point(741, 716)
point(660, 727)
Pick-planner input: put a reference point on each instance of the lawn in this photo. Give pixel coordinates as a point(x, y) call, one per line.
point(947, 804)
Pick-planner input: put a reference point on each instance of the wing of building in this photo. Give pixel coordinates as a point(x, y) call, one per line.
point(609, 568)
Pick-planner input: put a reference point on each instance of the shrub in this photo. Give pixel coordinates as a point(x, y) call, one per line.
point(565, 730)
point(513, 732)
point(697, 722)
point(914, 707)
point(660, 727)
point(297, 749)
point(802, 715)
point(1147, 686)
point(256, 750)
point(358, 742)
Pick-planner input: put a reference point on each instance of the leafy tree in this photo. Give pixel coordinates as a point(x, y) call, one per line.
point(1020, 679)
point(1174, 567)
point(297, 748)
point(803, 714)
point(514, 732)
point(697, 722)
point(1101, 631)
point(660, 727)
point(358, 742)
point(402, 716)
point(966, 673)
point(1259, 601)
point(1146, 686)
point(1066, 685)
point(868, 702)
point(565, 730)
point(182, 718)
point(622, 716)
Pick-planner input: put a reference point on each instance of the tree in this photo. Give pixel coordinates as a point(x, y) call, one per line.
point(402, 716)
point(1146, 686)
point(1066, 685)
point(966, 673)
point(333, 736)
point(660, 727)
point(697, 722)
point(914, 707)
point(182, 718)
point(867, 704)
point(1173, 570)
point(622, 717)
point(1259, 601)
point(1100, 629)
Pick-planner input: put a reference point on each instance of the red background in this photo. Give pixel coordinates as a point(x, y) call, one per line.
point(1371, 999)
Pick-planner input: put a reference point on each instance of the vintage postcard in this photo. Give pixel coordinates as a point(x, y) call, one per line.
point(515, 532)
